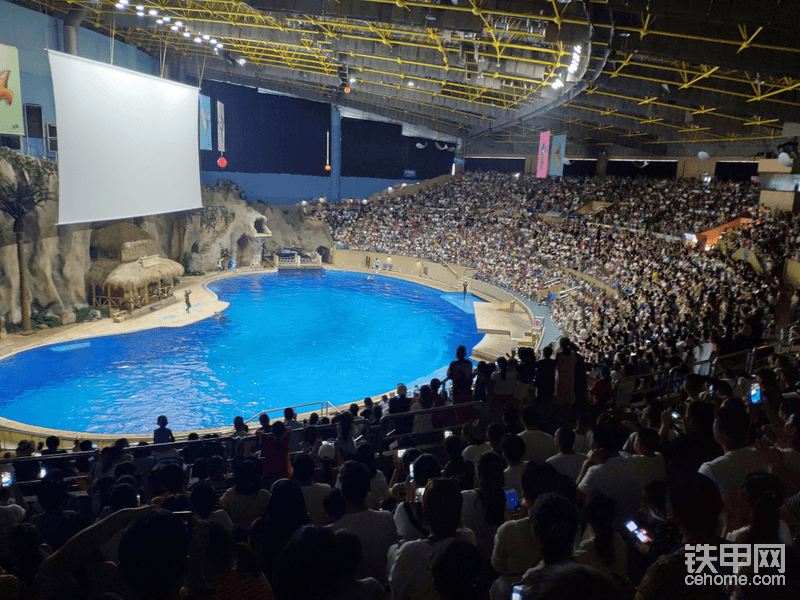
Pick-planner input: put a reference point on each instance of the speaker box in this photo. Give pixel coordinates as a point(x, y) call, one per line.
point(34, 125)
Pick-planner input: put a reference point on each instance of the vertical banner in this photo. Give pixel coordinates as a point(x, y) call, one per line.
point(220, 126)
point(544, 147)
point(205, 122)
point(557, 150)
point(11, 120)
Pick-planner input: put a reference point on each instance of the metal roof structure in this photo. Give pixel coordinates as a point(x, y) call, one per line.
point(643, 77)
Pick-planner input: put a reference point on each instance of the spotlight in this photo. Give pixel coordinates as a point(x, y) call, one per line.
point(410, 84)
point(220, 45)
point(241, 61)
point(160, 21)
point(174, 28)
point(123, 2)
point(198, 39)
point(139, 14)
point(139, 7)
point(206, 37)
point(179, 23)
point(152, 12)
point(352, 80)
point(187, 34)
point(119, 5)
point(167, 19)
point(212, 41)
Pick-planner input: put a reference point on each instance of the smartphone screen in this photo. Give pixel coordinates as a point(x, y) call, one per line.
point(411, 470)
point(675, 415)
point(448, 433)
point(640, 534)
point(512, 500)
point(419, 494)
point(516, 592)
point(7, 479)
point(401, 452)
point(755, 393)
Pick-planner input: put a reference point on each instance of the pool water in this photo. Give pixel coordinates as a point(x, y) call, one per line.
point(287, 338)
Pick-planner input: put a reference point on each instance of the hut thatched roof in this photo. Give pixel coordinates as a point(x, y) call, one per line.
point(134, 274)
point(114, 236)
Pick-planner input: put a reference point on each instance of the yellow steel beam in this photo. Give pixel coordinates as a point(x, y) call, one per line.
point(788, 88)
point(747, 40)
point(707, 72)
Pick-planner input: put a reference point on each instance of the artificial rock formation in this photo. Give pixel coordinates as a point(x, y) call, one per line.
point(58, 257)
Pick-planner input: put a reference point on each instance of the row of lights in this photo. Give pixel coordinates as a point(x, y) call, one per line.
point(175, 26)
point(576, 59)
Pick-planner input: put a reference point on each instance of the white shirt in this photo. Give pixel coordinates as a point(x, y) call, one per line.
point(583, 443)
point(539, 446)
point(568, 464)
point(376, 531)
point(513, 477)
point(617, 478)
point(649, 469)
point(314, 494)
point(411, 575)
point(730, 470)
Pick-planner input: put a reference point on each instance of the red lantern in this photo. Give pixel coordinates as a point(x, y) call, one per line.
point(222, 162)
point(327, 167)
point(347, 89)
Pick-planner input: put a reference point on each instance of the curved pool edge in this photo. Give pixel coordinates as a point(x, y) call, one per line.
point(205, 305)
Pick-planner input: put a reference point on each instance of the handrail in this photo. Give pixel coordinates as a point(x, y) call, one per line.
point(321, 403)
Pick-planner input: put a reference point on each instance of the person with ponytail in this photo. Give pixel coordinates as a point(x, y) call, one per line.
point(483, 509)
point(764, 495)
point(605, 550)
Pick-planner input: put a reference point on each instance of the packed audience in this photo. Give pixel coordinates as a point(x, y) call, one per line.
point(652, 293)
point(554, 481)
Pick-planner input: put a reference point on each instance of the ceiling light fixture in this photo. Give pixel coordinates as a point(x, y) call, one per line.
point(206, 37)
point(198, 39)
point(160, 21)
point(119, 5)
point(152, 12)
point(187, 34)
point(167, 19)
point(241, 61)
point(212, 41)
point(174, 28)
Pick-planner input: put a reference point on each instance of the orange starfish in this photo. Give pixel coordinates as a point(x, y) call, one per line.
point(5, 93)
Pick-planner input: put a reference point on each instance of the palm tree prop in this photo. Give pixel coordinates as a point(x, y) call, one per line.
point(18, 197)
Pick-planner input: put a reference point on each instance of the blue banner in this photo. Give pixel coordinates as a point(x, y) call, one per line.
point(205, 123)
point(557, 149)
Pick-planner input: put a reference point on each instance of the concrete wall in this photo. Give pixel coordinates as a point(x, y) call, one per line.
point(693, 168)
point(792, 273)
point(779, 200)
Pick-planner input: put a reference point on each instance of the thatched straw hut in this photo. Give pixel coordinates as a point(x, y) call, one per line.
point(123, 277)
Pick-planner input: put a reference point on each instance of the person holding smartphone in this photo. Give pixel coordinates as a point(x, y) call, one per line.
point(408, 517)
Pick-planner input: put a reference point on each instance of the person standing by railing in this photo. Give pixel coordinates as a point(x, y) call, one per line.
point(460, 373)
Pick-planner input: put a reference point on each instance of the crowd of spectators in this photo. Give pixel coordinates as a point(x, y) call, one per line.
point(657, 294)
point(545, 487)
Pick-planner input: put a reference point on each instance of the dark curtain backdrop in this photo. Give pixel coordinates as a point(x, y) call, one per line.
point(657, 170)
point(501, 165)
point(374, 149)
point(735, 171)
point(580, 168)
point(266, 133)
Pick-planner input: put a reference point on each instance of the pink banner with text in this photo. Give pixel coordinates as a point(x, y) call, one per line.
point(544, 150)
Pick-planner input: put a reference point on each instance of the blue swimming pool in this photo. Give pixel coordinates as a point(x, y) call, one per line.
point(288, 338)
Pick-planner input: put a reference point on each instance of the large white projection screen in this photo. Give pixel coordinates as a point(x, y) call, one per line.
point(127, 142)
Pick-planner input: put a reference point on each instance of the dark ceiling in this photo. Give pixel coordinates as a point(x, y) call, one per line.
point(652, 77)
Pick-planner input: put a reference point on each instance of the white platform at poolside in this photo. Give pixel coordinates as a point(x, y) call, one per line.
point(489, 318)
